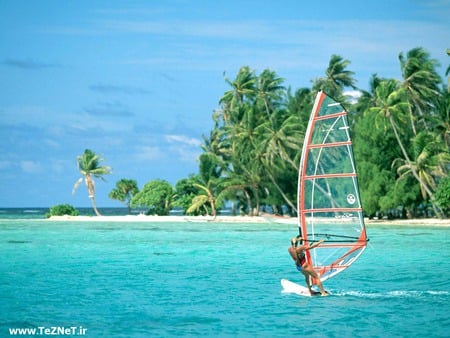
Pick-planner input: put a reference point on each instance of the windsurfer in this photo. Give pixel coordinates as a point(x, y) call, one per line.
point(298, 255)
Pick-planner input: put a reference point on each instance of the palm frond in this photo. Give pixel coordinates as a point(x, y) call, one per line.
point(76, 185)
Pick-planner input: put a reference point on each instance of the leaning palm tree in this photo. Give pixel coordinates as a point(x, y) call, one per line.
point(431, 160)
point(89, 166)
point(210, 173)
point(422, 83)
point(205, 196)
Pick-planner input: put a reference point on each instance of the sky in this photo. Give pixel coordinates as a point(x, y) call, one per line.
point(137, 81)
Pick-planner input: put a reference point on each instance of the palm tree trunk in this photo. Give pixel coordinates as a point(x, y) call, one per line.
point(405, 154)
point(281, 191)
point(411, 118)
point(94, 206)
point(249, 202)
point(213, 205)
point(256, 210)
point(91, 192)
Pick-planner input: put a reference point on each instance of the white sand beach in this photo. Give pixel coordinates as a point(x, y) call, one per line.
point(236, 219)
point(163, 219)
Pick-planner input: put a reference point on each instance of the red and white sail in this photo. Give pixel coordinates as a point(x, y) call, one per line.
point(329, 204)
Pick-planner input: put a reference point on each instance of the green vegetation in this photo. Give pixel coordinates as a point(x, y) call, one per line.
point(124, 192)
point(400, 130)
point(443, 195)
point(157, 196)
point(61, 210)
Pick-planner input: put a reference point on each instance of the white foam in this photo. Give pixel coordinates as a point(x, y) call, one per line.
point(394, 293)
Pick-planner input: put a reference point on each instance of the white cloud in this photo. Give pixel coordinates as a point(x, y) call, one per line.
point(30, 167)
point(295, 44)
point(354, 95)
point(191, 141)
point(149, 153)
point(180, 148)
point(185, 153)
point(61, 166)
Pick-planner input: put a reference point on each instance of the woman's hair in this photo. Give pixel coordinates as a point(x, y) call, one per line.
point(296, 240)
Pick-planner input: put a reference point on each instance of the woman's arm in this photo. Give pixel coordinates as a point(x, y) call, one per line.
point(314, 245)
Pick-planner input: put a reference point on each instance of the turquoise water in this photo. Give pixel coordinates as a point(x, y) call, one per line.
point(215, 280)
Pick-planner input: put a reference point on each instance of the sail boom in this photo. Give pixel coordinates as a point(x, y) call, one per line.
point(331, 116)
point(317, 210)
point(329, 245)
point(312, 177)
point(335, 144)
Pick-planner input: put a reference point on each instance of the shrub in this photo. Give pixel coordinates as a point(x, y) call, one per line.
point(61, 210)
point(442, 195)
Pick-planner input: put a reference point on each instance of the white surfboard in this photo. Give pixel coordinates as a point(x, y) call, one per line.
point(291, 287)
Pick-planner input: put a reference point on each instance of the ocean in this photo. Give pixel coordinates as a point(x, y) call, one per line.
point(110, 279)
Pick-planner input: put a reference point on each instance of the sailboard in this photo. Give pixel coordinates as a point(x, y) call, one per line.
point(291, 287)
point(329, 204)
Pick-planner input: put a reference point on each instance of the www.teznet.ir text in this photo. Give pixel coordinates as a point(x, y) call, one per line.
point(48, 331)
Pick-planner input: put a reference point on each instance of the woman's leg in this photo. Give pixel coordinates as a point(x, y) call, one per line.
point(310, 271)
point(307, 280)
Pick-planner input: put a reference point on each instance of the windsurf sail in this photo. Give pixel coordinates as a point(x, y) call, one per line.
point(329, 204)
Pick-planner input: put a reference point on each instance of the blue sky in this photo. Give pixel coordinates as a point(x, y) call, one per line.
point(137, 81)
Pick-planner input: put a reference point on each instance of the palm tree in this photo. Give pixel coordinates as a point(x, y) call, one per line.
point(337, 78)
point(277, 148)
point(200, 201)
point(280, 140)
point(242, 187)
point(442, 118)
point(421, 82)
point(300, 104)
point(243, 86)
point(391, 105)
point(210, 173)
point(89, 166)
point(124, 191)
point(270, 90)
point(431, 162)
point(367, 98)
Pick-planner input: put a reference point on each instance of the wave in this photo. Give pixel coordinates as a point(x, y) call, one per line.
point(392, 294)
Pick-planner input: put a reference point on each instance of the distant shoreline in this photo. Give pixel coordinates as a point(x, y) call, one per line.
point(237, 219)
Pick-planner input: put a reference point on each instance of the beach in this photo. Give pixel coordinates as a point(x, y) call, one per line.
point(239, 219)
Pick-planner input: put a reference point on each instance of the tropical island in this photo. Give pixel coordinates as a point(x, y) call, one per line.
point(401, 140)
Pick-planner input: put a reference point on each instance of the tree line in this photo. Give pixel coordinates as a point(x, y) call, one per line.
point(249, 160)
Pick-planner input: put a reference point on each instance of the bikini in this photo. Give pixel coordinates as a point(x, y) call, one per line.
point(300, 259)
